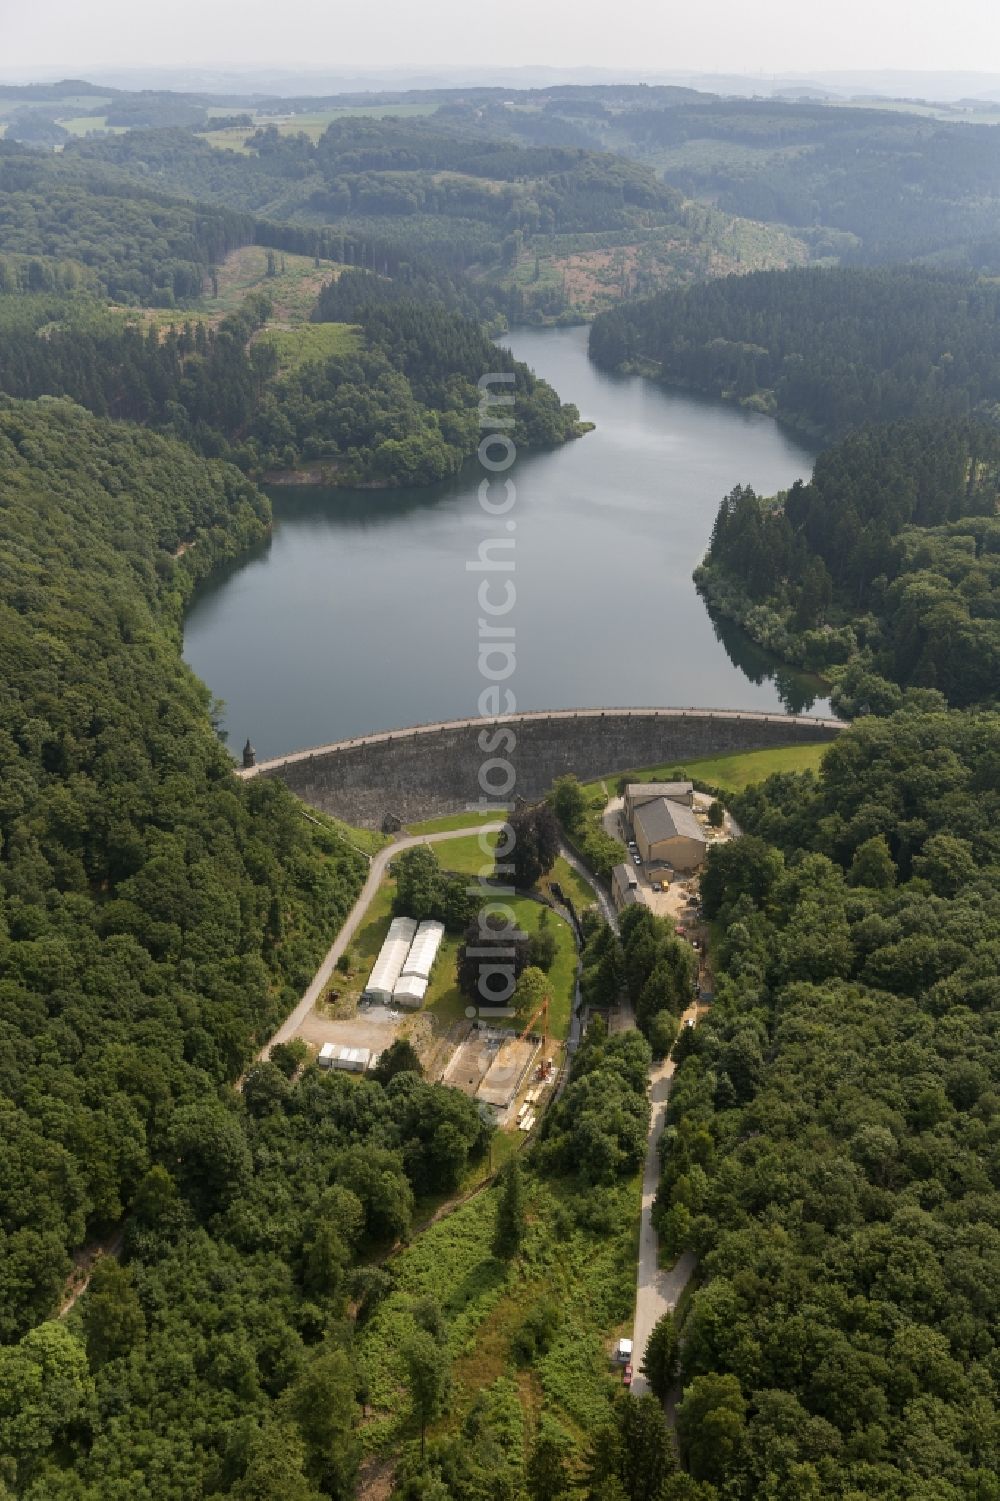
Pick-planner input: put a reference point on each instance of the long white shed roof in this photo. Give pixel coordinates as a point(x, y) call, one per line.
point(336, 1055)
point(424, 949)
point(392, 956)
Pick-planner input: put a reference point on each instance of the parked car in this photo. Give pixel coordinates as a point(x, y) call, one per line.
point(637, 859)
point(627, 1376)
point(632, 845)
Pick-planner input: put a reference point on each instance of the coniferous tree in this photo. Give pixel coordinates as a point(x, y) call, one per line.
point(511, 1213)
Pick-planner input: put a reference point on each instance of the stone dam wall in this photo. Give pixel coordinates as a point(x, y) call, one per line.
point(436, 769)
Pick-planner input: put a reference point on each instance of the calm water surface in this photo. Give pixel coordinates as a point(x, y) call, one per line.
point(359, 613)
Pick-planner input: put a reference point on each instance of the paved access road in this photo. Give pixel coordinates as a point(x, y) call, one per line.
point(612, 818)
point(657, 1291)
point(376, 870)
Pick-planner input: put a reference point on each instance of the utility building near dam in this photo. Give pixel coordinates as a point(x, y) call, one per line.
point(668, 833)
point(625, 887)
point(639, 793)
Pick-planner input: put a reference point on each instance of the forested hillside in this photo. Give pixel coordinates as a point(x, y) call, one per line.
point(399, 168)
point(831, 1153)
point(155, 915)
point(888, 561)
point(542, 230)
point(825, 350)
point(401, 409)
point(903, 186)
point(64, 224)
point(399, 405)
point(869, 185)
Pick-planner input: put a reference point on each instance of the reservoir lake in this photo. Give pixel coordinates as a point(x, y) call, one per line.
point(359, 612)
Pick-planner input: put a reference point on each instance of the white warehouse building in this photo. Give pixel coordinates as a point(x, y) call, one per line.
point(392, 957)
point(351, 1060)
point(411, 987)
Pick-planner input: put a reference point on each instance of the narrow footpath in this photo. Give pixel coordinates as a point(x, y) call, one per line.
point(603, 900)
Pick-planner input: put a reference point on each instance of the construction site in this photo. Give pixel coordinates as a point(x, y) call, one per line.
point(492, 1065)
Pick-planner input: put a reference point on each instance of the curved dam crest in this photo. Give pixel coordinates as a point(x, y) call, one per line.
point(431, 770)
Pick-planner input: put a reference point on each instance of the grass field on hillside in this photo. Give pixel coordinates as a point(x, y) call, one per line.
point(735, 772)
point(293, 289)
point(82, 125)
point(234, 138)
point(731, 773)
point(307, 343)
point(468, 856)
point(292, 292)
point(313, 124)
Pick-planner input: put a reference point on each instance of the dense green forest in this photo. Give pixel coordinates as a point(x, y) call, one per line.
point(831, 1147)
point(474, 192)
point(219, 1357)
point(904, 186)
point(887, 561)
point(156, 916)
point(63, 224)
point(826, 350)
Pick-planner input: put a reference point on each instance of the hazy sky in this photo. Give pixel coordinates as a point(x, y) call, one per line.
point(713, 35)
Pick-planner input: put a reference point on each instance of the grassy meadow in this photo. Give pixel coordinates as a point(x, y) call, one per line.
point(731, 773)
point(312, 123)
